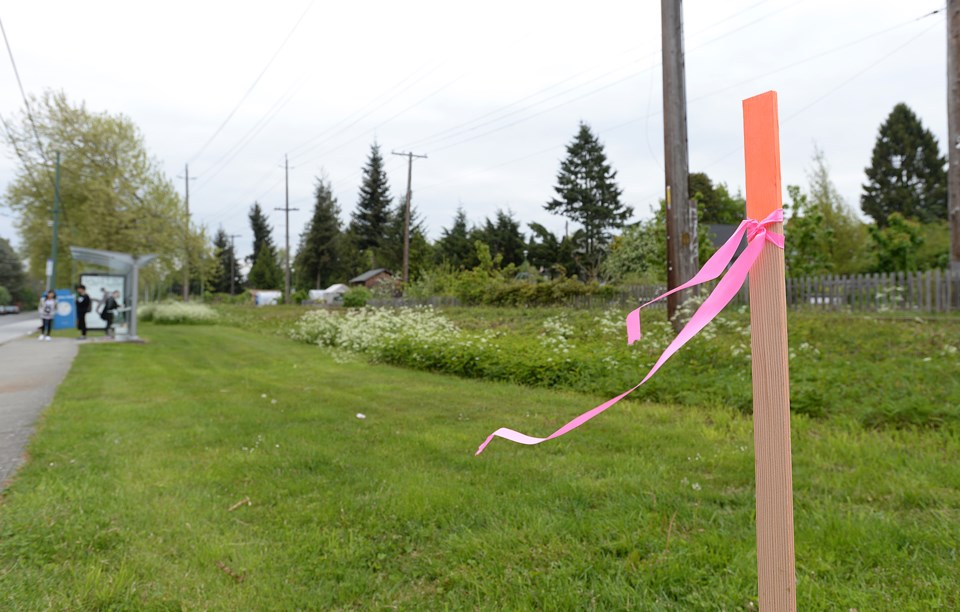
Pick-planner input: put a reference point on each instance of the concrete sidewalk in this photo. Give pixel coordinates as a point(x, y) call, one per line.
point(30, 371)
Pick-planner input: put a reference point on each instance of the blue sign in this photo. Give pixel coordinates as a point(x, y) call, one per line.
point(66, 315)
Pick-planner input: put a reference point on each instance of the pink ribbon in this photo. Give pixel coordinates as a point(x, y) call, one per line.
point(757, 235)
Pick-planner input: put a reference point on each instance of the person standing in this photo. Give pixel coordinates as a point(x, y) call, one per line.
point(48, 306)
point(83, 307)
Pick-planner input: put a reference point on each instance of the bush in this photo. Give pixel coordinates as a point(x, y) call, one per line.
point(5, 297)
point(177, 313)
point(356, 297)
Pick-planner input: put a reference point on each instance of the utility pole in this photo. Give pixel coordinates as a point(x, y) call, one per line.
point(286, 209)
point(52, 284)
point(186, 232)
point(682, 248)
point(406, 215)
point(233, 261)
point(953, 129)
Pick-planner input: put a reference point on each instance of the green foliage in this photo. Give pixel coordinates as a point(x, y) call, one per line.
point(370, 220)
point(177, 313)
point(639, 253)
point(824, 235)
point(907, 173)
point(12, 274)
point(647, 507)
point(589, 196)
point(114, 195)
point(265, 272)
point(317, 262)
point(390, 254)
point(714, 202)
point(226, 263)
point(503, 236)
point(454, 247)
point(356, 297)
point(5, 296)
point(897, 243)
point(553, 256)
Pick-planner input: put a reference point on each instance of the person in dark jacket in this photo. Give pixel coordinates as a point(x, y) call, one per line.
point(83, 307)
point(108, 310)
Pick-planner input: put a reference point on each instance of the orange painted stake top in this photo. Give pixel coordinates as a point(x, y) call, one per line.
point(762, 154)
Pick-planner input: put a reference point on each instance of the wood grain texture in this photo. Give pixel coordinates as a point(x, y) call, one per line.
point(771, 379)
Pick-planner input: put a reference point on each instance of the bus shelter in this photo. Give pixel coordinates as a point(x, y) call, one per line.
point(122, 265)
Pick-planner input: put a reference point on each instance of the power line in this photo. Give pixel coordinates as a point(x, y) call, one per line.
point(254, 84)
point(23, 94)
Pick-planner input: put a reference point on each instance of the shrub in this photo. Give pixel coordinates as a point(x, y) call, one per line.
point(356, 297)
point(177, 313)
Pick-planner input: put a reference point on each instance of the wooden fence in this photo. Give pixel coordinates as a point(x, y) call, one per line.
point(929, 291)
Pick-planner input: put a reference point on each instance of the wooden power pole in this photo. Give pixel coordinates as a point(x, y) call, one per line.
point(186, 232)
point(286, 210)
point(682, 248)
point(233, 261)
point(406, 215)
point(953, 129)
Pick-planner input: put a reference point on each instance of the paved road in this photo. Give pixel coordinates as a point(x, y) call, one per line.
point(30, 372)
point(18, 325)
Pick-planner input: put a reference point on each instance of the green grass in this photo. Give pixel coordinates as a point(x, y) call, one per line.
point(125, 501)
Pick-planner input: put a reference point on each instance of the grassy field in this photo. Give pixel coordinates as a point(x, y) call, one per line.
point(130, 499)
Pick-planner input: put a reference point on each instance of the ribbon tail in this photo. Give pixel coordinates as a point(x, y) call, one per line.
point(726, 289)
point(713, 268)
point(519, 438)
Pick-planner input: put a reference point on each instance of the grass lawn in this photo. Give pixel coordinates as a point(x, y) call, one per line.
point(126, 501)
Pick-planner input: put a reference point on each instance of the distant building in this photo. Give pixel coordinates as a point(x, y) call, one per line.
point(331, 296)
point(719, 234)
point(371, 278)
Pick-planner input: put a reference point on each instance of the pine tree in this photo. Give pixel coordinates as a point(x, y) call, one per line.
point(317, 261)
point(391, 250)
point(551, 255)
point(589, 196)
point(226, 264)
point(907, 173)
point(454, 246)
point(369, 221)
point(504, 238)
point(265, 273)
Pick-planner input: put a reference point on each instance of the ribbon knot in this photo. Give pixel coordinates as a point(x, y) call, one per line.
point(758, 234)
point(759, 229)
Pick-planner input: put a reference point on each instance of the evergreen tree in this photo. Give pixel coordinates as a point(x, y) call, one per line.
point(589, 196)
point(317, 261)
point(504, 238)
point(907, 173)
point(226, 263)
point(714, 203)
point(455, 246)
point(391, 251)
point(549, 254)
point(265, 273)
point(369, 221)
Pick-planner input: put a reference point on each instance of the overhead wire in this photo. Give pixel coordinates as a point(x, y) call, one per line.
point(254, 84)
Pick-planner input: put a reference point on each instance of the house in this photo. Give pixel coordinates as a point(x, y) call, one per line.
point(371, 278)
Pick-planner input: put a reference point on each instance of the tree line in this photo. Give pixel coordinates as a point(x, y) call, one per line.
point(115, 197)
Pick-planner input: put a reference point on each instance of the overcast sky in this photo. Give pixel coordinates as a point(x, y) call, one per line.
point(491, 92)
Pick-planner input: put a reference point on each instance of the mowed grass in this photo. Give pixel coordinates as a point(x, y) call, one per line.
point(125, 502)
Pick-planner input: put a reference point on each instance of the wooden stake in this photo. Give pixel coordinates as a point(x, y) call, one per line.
point(771, 381)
